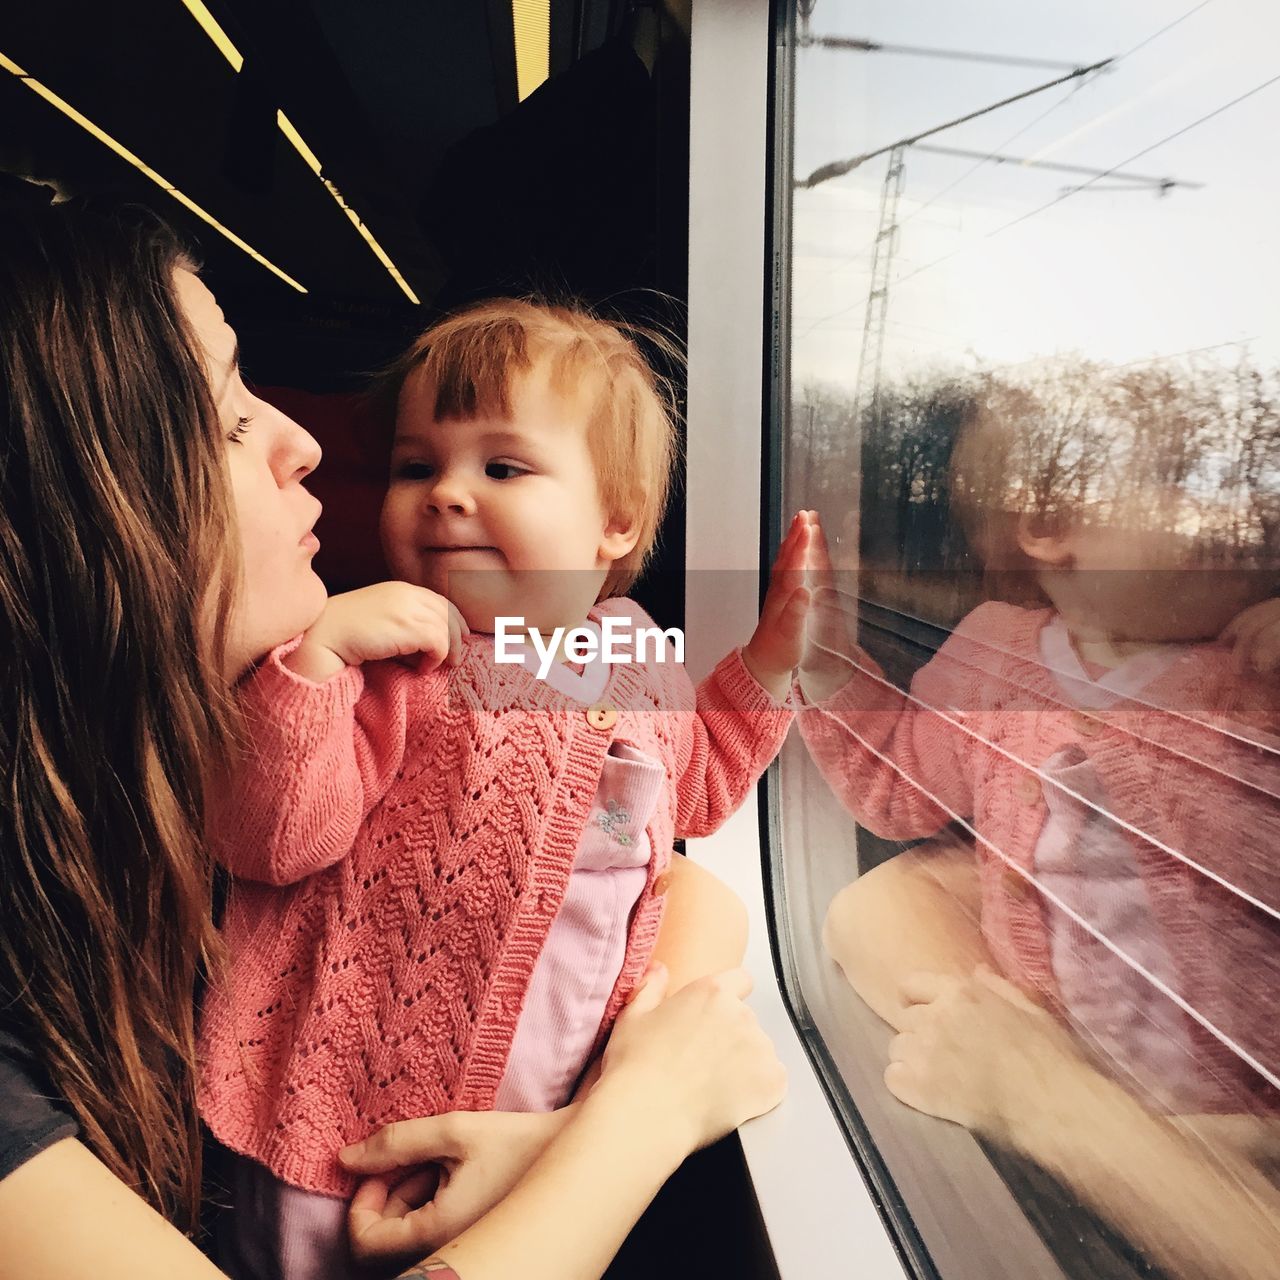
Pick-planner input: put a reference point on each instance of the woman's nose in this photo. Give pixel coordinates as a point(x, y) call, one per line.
point(295, 453)
point(307, 452)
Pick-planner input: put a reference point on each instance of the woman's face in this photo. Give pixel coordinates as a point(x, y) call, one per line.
point(268, 457)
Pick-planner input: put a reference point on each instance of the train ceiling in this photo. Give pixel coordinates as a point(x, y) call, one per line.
point(267, 117)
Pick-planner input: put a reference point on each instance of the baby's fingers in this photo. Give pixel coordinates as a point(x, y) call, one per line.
point(789, 623)
point(793, 550)
point(787, 572)
point(458, 632)
point(818, 556)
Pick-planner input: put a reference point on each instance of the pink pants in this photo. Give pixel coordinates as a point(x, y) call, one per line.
point(277, 1232)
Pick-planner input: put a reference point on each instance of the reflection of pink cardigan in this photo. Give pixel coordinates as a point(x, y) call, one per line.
point(401, 844)
point(1182, 763)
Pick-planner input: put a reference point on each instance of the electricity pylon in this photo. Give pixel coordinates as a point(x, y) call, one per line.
point(883, 251)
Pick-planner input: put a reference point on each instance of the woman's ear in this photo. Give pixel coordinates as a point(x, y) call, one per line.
point(619, 538)
point(1046, 545)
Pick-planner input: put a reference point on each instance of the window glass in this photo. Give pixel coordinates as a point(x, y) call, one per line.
point(1028, 837)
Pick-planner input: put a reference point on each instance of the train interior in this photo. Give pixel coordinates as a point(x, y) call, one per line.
point(878, 234)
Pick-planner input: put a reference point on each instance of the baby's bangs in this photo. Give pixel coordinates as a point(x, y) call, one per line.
point(470, 369)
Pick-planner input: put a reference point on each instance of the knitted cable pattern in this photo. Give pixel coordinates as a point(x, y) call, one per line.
point(401, 842)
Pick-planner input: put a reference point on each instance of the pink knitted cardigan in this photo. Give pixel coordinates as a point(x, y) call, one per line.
point(401, 843)
point(1184, 765)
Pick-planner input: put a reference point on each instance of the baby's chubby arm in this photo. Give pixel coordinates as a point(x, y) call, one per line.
point(741, 713)
point(883, 756)
point(387, 620)
point(326, 736)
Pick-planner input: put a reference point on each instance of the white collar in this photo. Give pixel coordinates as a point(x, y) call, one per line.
point(1132, 676)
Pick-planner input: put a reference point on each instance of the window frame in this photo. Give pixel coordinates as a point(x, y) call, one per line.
point(849, 1206)
point(835, 1222)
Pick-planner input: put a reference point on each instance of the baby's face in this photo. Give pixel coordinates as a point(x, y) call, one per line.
point(504, 518)
point(1136, 576)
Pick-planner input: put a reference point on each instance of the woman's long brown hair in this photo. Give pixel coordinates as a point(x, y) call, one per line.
point(115, 524)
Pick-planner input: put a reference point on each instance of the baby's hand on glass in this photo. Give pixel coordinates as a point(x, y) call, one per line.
point(773, 652)
point(388, 620)
point(829, 652)
point(1255, 634)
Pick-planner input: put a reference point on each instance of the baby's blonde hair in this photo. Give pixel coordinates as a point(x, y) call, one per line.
point(469, 361)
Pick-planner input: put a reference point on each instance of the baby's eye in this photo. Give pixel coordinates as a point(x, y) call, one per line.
point(413, 470)
point(504, 470)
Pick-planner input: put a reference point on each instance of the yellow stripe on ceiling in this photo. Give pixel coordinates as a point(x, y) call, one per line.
point(125, 154)
point(532, 20)
point(210, 26)
point(226, 46)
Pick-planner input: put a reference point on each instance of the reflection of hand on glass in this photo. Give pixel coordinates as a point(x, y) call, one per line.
point(831, 655)
point(976, 1051)
point(773, 651)
point(1100, 750)
point(1255, 634)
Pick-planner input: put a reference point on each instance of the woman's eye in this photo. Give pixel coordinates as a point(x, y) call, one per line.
point(504, 470)
point(413, 471)
point(237, 432)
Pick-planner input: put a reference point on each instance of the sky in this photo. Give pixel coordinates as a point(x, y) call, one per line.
point(1115, 275)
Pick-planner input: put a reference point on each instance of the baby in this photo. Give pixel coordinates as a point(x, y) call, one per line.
point(1117, 772)
point(450, 872)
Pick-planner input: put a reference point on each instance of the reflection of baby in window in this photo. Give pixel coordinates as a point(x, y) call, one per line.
point(1118, 769)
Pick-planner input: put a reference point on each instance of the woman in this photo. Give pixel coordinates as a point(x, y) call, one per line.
point(154, 543)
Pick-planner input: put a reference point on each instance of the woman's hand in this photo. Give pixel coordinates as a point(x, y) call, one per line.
point(430, 1179)
point(694, 1067)
point(773, 651)
point(1255, 634)
point(387, 620)
point(977, 1051)
point(698, 1061)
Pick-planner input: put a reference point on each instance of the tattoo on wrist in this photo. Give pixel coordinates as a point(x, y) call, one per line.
point(433, 1267)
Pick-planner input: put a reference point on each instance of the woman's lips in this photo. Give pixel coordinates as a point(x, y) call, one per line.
point(309, 541)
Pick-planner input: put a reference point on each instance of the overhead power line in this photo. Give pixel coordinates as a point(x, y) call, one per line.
point(1104, 173)
point(856, 45)
point(1031, 124)
point(1164, 184)
point(840, 167)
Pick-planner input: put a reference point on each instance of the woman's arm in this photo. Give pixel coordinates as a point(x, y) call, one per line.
point(979, 1053)
point(603, 1168)
point(65, 1216)
point(678, 1074)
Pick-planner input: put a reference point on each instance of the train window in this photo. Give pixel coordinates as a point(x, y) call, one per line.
point(1025, 847)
